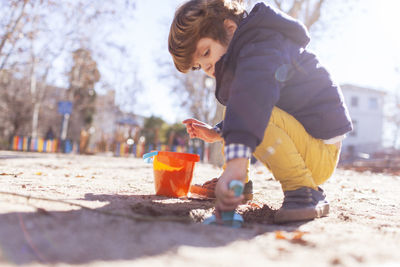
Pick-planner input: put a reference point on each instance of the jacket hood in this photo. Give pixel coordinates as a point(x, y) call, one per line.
point(274, 19)
point(261, 22)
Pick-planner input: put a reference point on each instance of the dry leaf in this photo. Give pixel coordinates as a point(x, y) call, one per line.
point(254, 205)
point(279, 235)
point(295, 236)
point(298, 235)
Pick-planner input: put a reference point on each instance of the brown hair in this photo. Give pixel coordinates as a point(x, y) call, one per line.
point(198, 19)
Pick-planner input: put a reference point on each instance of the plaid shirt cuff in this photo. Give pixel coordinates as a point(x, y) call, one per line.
point(233, 151)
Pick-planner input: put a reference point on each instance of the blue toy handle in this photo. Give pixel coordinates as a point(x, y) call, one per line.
point(237, 187)
point(148, 157)
point(230, 218)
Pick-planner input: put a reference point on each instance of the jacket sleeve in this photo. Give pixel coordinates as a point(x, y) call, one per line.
point(253, 93)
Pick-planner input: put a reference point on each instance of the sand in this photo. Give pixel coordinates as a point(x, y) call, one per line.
point(105, 213)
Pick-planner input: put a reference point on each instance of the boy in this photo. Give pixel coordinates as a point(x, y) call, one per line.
point(275, 92)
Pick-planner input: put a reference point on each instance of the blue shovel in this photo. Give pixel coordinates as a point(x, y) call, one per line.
point(229, 218)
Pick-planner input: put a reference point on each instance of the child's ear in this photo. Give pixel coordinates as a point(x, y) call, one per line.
point(230, 27)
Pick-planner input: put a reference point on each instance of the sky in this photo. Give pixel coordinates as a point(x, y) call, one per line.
point(152, 49)
point(360, 48)
point(364, 48)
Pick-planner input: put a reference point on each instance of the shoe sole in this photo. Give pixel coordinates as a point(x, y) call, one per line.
point(209, 193)
point(202, 191)
point(306, 214)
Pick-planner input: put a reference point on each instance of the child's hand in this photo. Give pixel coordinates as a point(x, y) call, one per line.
point(201, 130)
point(236, 169)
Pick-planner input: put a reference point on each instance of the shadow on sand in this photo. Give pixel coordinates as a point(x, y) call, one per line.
point(79, 236)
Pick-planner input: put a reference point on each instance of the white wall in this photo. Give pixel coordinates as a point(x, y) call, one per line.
point(366, 111)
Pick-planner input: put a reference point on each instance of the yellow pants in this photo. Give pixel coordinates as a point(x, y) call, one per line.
point(294, 157)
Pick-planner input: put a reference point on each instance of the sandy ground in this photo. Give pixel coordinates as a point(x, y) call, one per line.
point(106, 214)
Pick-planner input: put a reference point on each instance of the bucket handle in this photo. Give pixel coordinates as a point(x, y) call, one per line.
point(148, 157)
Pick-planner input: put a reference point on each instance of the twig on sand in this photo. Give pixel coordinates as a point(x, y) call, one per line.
point(135, 217)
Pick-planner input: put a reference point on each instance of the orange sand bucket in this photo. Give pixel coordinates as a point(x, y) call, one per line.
point(173, 172)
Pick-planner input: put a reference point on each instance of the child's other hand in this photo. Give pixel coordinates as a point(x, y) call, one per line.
point(201, 130)
point(236, 169)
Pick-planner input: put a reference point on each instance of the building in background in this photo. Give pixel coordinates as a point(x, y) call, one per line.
point(111, 125)
point(366, 111)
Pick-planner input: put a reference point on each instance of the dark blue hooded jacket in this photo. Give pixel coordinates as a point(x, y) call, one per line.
point(266, 65)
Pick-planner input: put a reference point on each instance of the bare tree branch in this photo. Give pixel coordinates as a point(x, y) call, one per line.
point(315, 15)
point(278, 4)
point(296, 8)
point(8, 34)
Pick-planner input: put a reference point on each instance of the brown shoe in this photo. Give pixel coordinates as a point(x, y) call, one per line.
point(208, 189)
point(302, 204)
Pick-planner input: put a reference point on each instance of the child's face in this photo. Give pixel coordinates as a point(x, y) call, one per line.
point(207, 53)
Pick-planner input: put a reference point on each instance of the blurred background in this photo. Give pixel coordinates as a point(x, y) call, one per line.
point(89, 77)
